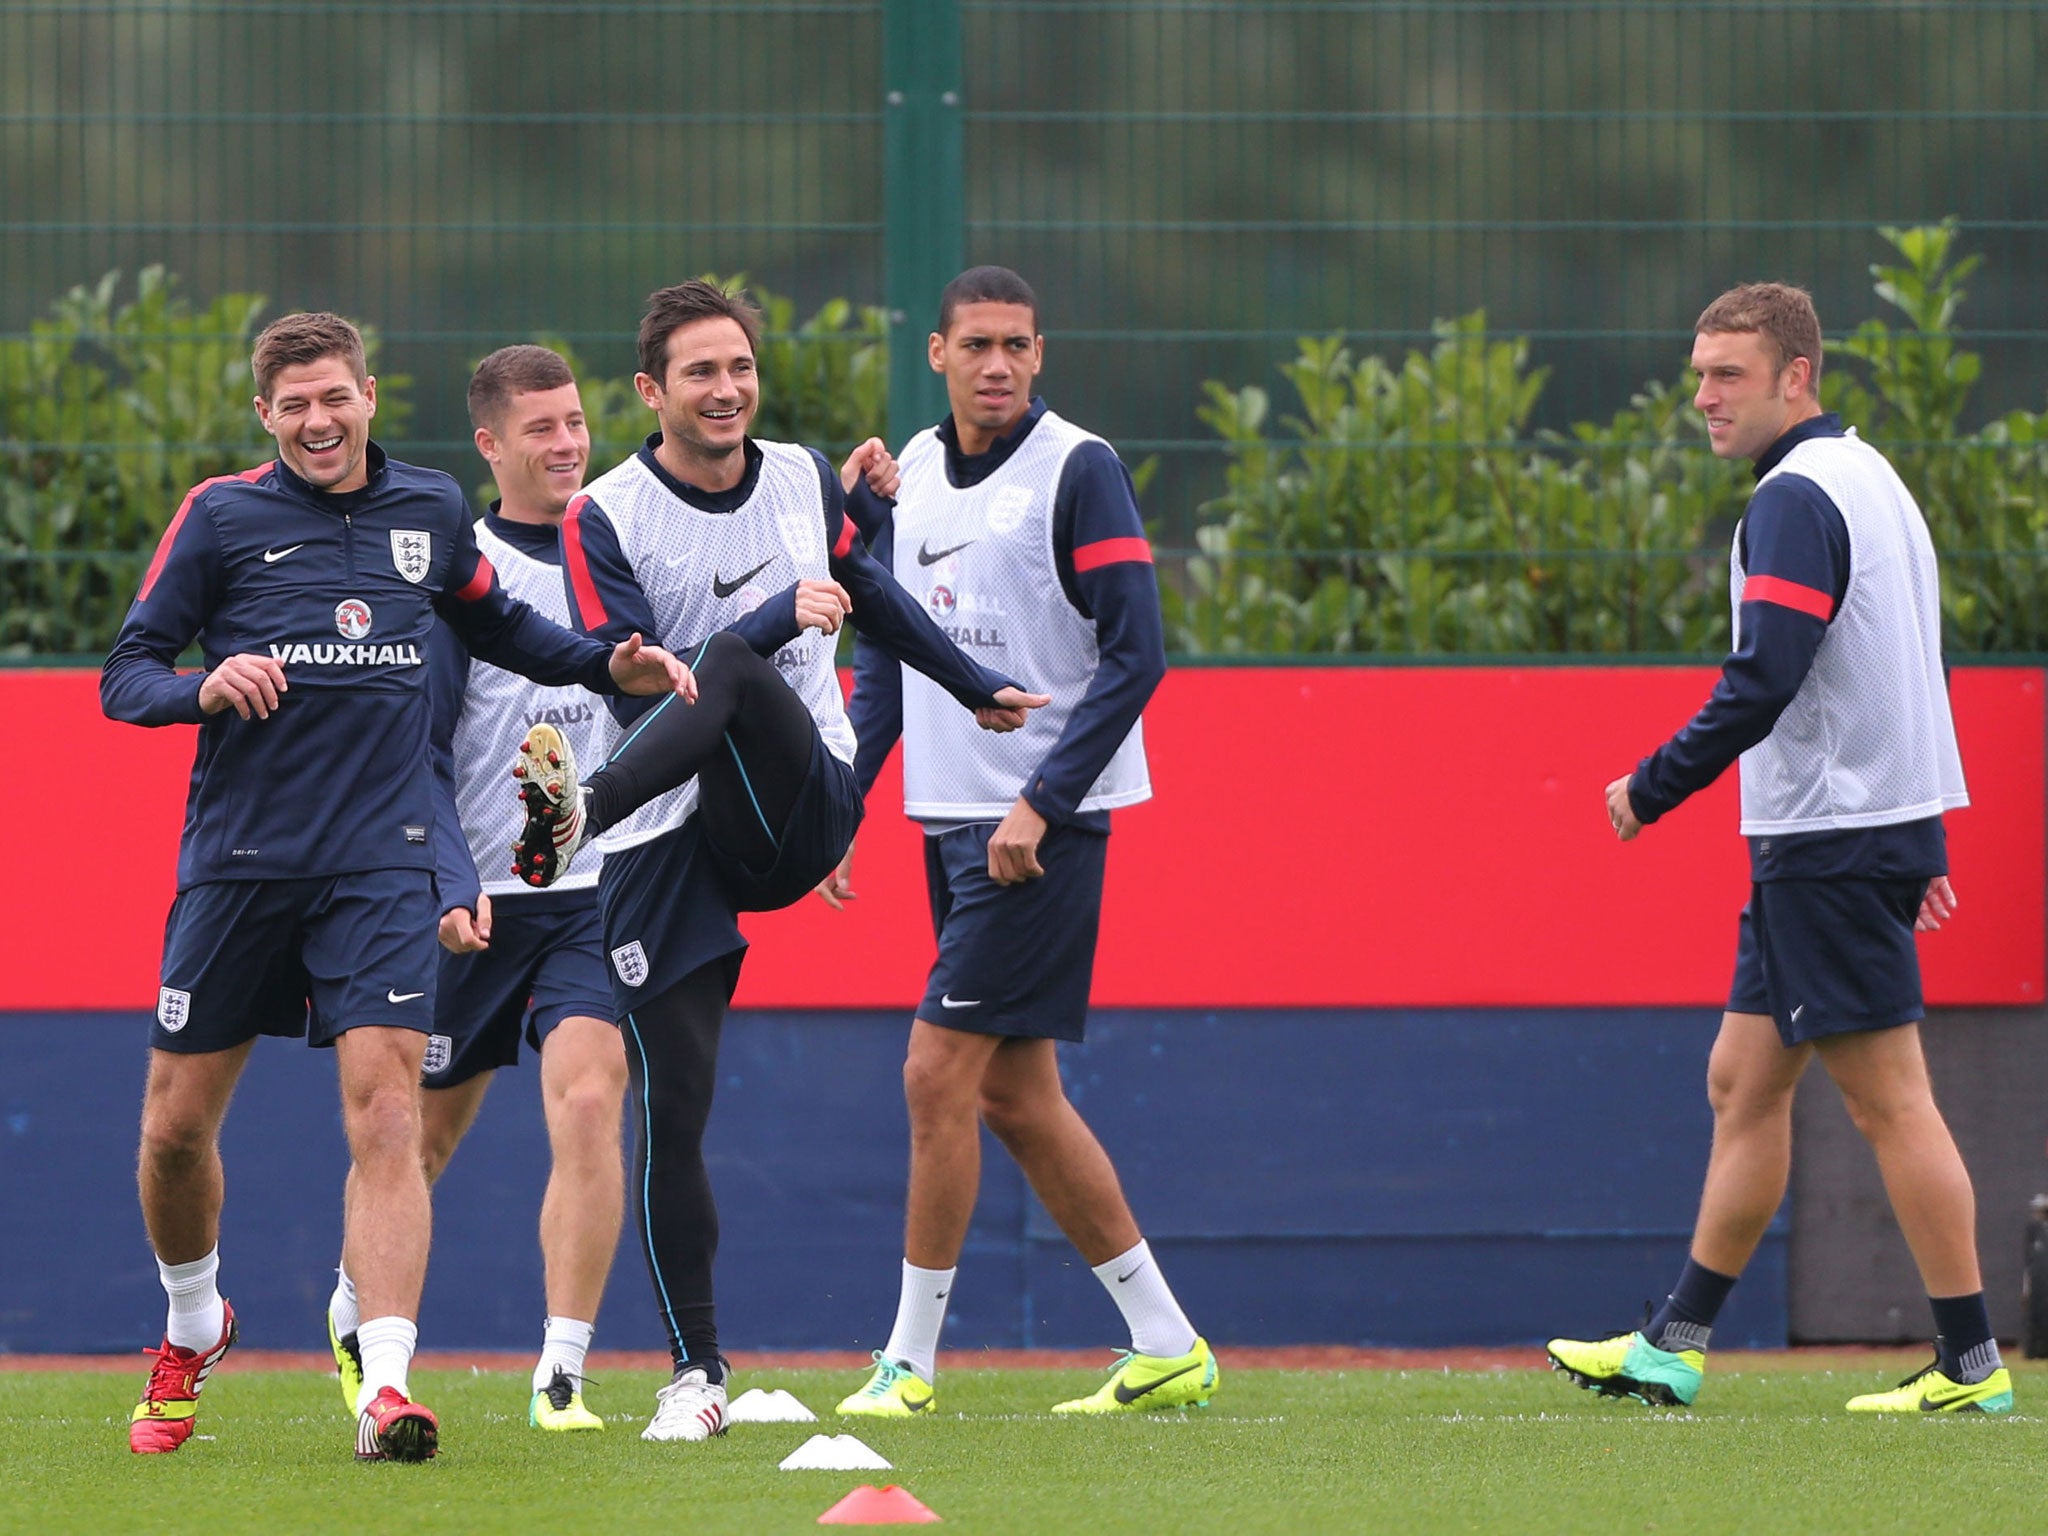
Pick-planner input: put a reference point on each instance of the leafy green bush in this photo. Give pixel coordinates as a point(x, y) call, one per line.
point(1406, 509)
point(109, 412)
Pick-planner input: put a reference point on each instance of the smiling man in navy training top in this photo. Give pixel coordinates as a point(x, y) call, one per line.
point(305, 873)
point(1021, 532)
point(1835, 702)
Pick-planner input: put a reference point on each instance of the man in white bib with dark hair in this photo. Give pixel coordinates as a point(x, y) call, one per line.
point(742, 797)
point(1835, 703)
point(1021, 532)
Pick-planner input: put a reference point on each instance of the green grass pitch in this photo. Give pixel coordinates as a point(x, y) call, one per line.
point(1279, 1451)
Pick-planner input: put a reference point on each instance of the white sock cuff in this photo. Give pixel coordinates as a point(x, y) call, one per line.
point(1124, 1263)
point(197, 1276)
point(570, 1331)
point(343, 1286)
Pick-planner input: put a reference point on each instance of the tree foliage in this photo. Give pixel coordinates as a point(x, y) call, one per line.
point(1402, 507)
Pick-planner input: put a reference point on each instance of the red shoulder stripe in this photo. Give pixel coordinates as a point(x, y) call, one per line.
point(1088, 557)
point(588, 604)
point(844, 542)
point(479, 582)
point(1789, 594)
point(163, 545)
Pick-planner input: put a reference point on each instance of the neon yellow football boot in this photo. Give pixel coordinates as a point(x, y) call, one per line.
point(559, 1406)
point(1139, 1382)
point(348, 1363)
point(893, 1392)
point(1629, 1365)
point(1929, 1391)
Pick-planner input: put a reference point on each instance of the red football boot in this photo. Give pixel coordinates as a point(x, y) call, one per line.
point(393, 1429)
point(162, 1421)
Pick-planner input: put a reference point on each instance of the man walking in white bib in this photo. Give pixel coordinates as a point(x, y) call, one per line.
point(1835, 702)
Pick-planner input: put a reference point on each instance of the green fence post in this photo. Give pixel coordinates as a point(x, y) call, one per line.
point(923, 199)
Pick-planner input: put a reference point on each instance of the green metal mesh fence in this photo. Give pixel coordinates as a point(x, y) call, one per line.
point(1193, 187)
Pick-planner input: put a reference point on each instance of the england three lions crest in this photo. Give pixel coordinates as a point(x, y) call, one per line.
point(412, 551)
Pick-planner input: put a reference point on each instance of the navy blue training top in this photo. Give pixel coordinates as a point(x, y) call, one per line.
point(343, 589)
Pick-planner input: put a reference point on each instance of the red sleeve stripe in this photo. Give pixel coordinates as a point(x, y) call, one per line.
point(1789, 594)
point(589, 606)
point(479, 582)
point(1111, 552)
point(163, 545)
point(845, 540)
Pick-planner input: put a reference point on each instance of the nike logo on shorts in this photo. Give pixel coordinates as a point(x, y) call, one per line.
point(948, 1002)
point(272, 556)
point(396, 996)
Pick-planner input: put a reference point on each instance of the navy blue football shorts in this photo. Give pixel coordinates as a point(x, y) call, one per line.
point(541, 967)
point(1013, 959)
point(1829, 957)
point(306, 958)
point(671, 903)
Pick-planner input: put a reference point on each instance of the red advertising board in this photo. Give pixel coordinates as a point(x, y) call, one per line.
point(1327, 836)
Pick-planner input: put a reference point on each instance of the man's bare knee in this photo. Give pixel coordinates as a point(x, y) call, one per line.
point(174, 1141)
point(937, 1084)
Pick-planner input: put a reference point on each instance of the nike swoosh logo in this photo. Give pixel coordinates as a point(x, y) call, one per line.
point(1126, 1394)
point(1120, 1279)
point(947, 1002)
point(926, 555)
point(917, 1404)
point(720, 587)
point(272, 556)
point(395, 996)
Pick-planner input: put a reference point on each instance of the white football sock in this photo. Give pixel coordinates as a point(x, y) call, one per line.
point(198, 1315)
point(920, 1314)
point(387, 1345)
point(341, 1306)
point(1158, 1326)
point(562, 1348)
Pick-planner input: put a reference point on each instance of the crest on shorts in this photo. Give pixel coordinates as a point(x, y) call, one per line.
point(412, 551)
point(630, 961)
point(173, 1009)
point(440, 1051)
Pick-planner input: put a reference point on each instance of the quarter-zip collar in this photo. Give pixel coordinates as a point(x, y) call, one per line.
point(340, 503)
point(1827, 424)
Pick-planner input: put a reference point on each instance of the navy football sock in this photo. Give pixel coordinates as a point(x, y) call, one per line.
point(1962, 1325)
point(1686, 1320)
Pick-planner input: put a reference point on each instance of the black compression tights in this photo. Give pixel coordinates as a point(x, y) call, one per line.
point(746, 741)
point(672, 1054)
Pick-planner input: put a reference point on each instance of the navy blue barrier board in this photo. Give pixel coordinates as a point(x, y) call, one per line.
point(1396, 1177)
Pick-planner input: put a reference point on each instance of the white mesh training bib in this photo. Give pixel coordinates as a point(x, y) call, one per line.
point(497, 708)
point(702, 571)
point(981, 561)
point(1868, 740)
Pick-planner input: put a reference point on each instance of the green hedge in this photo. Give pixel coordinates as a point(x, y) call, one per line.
point(1404, 507)
point(1394, 508)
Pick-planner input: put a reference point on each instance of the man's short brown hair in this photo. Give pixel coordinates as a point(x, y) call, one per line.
point(670, 309)
point(510, 371)
point(1782, 314)
point(985, 285)
point(292, 340)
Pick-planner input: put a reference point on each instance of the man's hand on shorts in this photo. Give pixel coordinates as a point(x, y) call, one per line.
point(464, 932)
point(836, 889)
point(639, 668)
point(872, 459)
point(1013, 846)
point(1620, 814)
point(1016, 709)
point(821, 605)
point(1937, 906)
point(247, 682)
